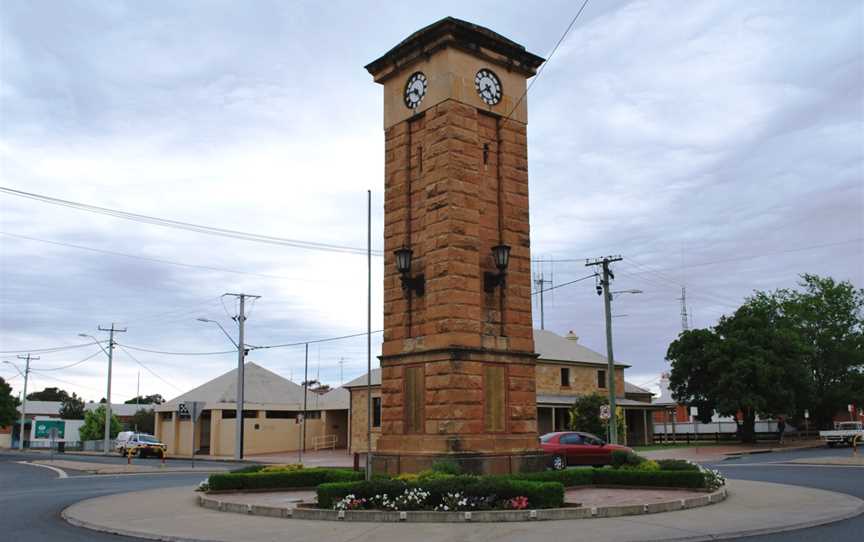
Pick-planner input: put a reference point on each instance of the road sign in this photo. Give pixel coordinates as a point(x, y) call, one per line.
point(604, 412)
point(190, 409)
point(806, 414)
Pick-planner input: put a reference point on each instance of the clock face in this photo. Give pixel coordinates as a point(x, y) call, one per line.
point(488, 86)
point(415, 89)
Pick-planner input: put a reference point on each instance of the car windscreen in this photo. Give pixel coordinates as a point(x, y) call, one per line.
point(547, 437)
point(145, 438)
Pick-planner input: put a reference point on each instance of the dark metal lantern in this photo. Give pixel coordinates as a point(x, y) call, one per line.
point(501, 256)
point(403, 265)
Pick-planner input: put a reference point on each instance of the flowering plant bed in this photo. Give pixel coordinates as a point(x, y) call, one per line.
point(450, 493)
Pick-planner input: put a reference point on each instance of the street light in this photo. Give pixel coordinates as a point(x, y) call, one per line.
point(230, 338)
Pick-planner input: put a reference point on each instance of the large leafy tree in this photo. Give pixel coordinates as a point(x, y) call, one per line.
point(828, 318)
point(72, 408)
point(749, 363)
point(8, 402)
point(585, 416)
point(155, 399)
point(94, 425)
point(48, 394)
point(144, 421)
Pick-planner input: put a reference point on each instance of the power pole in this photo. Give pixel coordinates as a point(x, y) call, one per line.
point(241, 360)
point(305, 395)
point(685, 322)
point(607, 305)
point(341, 368)
point(541, 282)
point(111, 331)
point(27, 359)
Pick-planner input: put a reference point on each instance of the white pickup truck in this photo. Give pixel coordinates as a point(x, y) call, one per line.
point(843, 433)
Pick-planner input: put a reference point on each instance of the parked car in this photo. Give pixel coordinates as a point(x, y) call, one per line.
point(843, 433)
point(577, 448)
point(142, 443)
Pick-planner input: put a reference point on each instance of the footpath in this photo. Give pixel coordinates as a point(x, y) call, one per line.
point(120, 468)
point(751, 508)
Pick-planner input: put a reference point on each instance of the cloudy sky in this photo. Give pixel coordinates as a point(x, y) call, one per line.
point(715, 145)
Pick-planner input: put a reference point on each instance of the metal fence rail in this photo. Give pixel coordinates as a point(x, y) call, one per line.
point(324, 442)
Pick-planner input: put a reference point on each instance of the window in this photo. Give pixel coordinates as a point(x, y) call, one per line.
point(229, 414)
point(281, 414)
point(313, 414)
point(494, 389)
point(165, 416)
point(601, 378)
point(376, 412)
point(571, 438)
point(415, 396)
point(565, 377)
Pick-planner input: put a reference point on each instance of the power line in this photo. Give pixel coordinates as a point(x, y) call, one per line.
point(49, 349)
point(188, 226)
point(149, 351)
point(155, 260)
point(548, 59)
point(586, 277)
point(88, 358)
point(316, 341)
point(151, 371)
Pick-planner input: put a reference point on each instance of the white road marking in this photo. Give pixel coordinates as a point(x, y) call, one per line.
point(60, 473)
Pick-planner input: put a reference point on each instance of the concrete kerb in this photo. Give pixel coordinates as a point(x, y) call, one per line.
point(478, 516)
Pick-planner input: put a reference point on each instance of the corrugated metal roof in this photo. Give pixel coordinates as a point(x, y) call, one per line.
point(261, 387)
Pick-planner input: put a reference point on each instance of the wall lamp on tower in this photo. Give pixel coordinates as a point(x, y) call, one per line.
point(501, 255)
point(403, 265)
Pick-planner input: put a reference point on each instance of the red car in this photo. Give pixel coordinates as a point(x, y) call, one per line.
point(576, 448)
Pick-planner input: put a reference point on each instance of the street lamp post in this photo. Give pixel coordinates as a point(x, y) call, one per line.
point(106, 441)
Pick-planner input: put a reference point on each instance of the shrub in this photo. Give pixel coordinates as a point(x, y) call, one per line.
point(282, 468)
point(446, 466)
point(408, 477)
point(250, 468)
point(480, 492)
point(312, 477)
point(659, 478)
point(621, 458)
point(567, 477)
point(713, 479)
point(676, 464)
point(648, 466)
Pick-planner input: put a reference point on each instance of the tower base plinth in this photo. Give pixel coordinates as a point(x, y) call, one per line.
point(468, 462)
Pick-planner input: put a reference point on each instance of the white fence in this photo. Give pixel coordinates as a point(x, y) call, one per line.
point(694, 428)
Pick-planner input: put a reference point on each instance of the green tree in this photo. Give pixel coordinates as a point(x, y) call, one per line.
point(48, 394)
point(72, 408)
point(828, 318)
point(143, 421)
point(155, 399)
point(94, 425)
point(585, 416)
point(8, 402)
point(749, 363)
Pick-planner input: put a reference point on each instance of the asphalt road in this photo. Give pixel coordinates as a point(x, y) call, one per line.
point(31, 498)
point(768, 468)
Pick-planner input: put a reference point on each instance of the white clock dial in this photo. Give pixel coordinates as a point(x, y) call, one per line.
point(415, 89)
point(488, 86)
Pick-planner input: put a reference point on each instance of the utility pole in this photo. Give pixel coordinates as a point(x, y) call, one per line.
point(27, 359)
point(607, 305)
point(369, 335)
point(341, 368)
point(241, 359)
point(107, 439)
point(541, 282)
point(685, 323)
point(305, 396)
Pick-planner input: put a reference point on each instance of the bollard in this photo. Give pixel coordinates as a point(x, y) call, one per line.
point(855, 440)
point(162, 455)
point(129, 453)
point(356, 461)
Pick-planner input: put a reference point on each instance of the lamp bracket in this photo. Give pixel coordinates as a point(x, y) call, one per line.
point(493, 280)
point(416, 284)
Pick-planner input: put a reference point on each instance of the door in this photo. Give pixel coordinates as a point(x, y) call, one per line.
point(204, 443)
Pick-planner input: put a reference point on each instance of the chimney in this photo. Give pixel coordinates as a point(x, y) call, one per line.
point(572, 336)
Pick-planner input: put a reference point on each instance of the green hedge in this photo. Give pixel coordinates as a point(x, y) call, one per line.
point(539, 494)
point(580, 476)
point(632, 477)
point(311, 477)
point(689, 477)
point(246, 470)
point(677, 464)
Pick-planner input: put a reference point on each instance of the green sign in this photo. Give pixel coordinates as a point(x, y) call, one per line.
point(43, 428)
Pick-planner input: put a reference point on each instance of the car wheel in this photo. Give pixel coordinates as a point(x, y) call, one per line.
point(830, 444)
point(559, 463)
point(122, 452)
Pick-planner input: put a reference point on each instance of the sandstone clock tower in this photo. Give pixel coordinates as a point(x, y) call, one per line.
point(457, 366)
